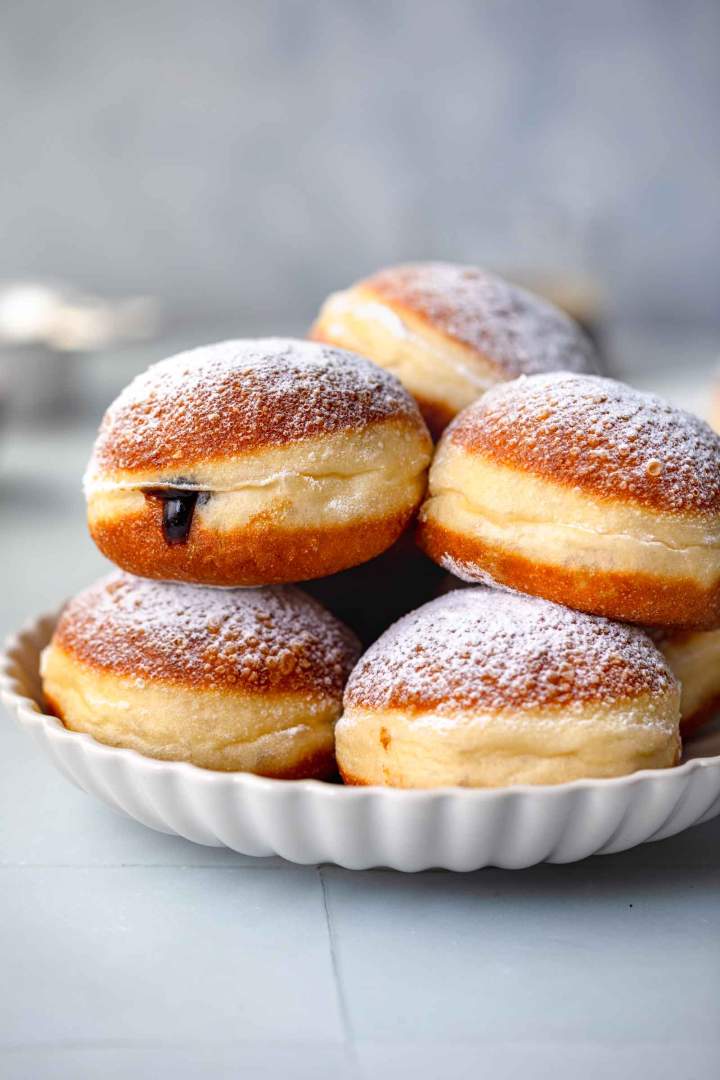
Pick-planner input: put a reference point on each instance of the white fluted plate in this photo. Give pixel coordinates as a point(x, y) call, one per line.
point(307, 821)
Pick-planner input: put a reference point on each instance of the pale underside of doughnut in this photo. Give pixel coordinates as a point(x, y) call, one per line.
point(411, 748)
point(283, 513)
point(694, 658)
point(485, 522)
point(286, 735)
point(714, 417)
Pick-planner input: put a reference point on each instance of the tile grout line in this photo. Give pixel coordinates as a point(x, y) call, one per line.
point(339, 991)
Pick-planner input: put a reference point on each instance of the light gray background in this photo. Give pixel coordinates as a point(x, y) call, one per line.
point(240, 159)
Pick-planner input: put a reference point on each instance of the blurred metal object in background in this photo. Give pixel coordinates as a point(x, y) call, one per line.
point(44, 330)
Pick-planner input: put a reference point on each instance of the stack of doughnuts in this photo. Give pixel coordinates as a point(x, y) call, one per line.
point(538, 594)
point(218, 477)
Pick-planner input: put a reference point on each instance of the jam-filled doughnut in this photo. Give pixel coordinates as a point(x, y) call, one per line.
point(449, 332)
point(483, 688)
point(230, 679)
point(254, 463)
point(586, 492)
point(694, 658)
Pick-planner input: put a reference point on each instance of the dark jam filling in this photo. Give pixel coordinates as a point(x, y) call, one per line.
point(178, 508)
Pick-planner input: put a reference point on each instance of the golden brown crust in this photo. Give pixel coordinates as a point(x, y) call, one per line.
point(256, 554)
point(257, 641)
point(600, 436)
point(632, 597)
point(238, 396)
point(513, 330)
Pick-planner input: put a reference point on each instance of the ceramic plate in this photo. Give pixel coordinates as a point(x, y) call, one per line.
point(307, 821)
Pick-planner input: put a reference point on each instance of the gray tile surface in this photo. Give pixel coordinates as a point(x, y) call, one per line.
point(165, 954)
point(543, 1061)
point(181, 1062)
point(255, 1061)
point(585, 953)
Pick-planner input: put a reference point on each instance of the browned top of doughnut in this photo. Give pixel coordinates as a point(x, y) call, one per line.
point(237, 396)
point(599, 435)
point(276, 639)
point(516, 331)
point(489, 650)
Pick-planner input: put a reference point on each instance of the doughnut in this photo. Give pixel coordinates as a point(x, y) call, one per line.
point(369, 598)
point(449, 332)
point(255, 463)
point(581, 490)
point(484, 688)
point(694, 659)
point(232, 679)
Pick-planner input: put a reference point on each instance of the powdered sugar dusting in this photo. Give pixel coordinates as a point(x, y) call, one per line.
point(517, 331)
point(483, 649)
point(275, 638)
point(468, 572)
point(239, 395)
point(600, 434)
